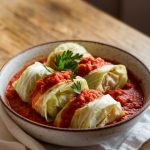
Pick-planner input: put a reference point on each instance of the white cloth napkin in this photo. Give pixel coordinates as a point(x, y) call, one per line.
point(12, 137)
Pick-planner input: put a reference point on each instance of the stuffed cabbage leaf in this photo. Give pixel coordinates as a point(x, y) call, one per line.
point(26, 82)
point(54, 99)
point(97, 113)
point(108, 77)
point(73, 47)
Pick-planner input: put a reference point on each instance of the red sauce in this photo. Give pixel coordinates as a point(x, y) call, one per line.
point(131, 96)
point(51, 80)
point(22, 108)
point(47, 82)
point(85, 97)
point(90, 63)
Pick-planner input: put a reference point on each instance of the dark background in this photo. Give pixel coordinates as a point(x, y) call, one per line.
point(135, 13)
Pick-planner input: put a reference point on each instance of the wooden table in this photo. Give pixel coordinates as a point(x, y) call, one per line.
point(24, 23)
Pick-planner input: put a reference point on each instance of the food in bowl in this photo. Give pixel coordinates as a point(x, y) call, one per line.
point(73, 89)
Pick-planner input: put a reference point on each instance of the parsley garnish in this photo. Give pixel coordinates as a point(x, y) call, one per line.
point(67, 61)
point(76, 87)
point(73, 75)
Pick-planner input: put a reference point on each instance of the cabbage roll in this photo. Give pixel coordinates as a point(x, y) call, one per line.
point(83, 97)
point(54, 99)
point(108, 77)
point(26, 82)
point(97, 113)
point(74, 47)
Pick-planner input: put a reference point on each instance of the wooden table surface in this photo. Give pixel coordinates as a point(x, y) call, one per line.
point(24, 23)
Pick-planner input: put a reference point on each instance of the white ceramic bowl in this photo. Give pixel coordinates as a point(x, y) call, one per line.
point(75, 137)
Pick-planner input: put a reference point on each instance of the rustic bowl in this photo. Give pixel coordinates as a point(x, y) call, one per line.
point(75, 137)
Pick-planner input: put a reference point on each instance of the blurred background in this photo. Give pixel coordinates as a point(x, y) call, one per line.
point(135, 13)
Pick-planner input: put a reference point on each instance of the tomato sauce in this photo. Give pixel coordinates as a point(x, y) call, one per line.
point(90, 63)
point(47, 82)
point(85, 97)
point(131, 96)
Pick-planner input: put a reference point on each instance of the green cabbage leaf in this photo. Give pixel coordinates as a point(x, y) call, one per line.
point(97, 113)
point(26, 82)
point(107, 77)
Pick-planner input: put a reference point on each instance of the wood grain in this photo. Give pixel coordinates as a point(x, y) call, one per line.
point(24, 23)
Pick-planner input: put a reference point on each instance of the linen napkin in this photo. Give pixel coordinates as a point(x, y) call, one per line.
point(12, 137)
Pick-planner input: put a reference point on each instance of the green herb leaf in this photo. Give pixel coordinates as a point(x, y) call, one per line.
point(73, 75)
point(76, 87)
point(67, 61)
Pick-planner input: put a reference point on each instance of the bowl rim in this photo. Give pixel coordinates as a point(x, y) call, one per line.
point(72, 129)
